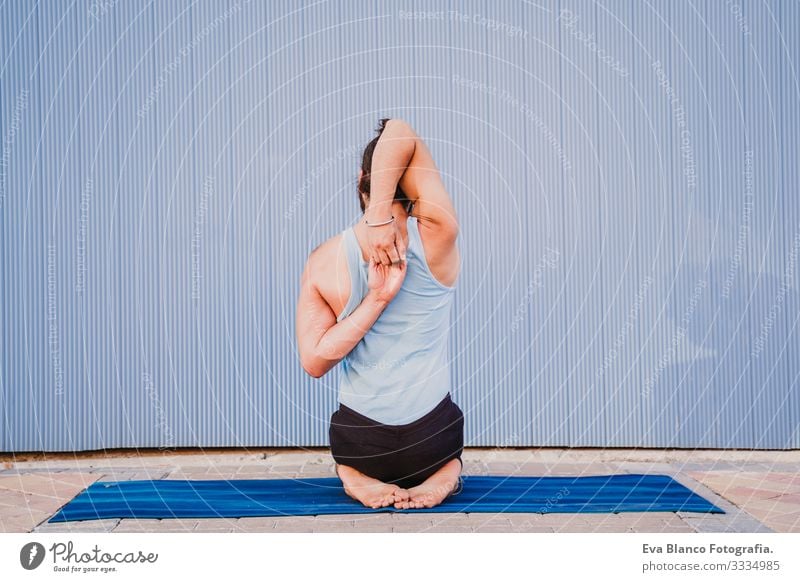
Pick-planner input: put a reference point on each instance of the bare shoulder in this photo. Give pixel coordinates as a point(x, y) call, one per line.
point(326, 249)
point(326, 269)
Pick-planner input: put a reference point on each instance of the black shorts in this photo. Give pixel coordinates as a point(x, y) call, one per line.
point(405, 454)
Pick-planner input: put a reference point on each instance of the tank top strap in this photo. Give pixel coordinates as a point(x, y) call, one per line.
point(418, 250)
point(357, 268)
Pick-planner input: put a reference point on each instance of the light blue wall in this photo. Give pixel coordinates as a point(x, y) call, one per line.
point(630, 229)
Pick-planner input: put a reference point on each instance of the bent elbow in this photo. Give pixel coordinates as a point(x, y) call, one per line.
point(401, 128)
point(448, 232)
point(451, 232)
point(315, 371)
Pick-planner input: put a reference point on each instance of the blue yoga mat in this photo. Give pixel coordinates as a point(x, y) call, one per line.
point(168, 498)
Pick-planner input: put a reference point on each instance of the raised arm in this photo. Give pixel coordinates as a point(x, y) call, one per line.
point(423, 184)
point(401, 147)
point(402, 157)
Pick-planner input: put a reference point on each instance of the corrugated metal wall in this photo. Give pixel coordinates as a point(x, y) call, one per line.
point(625, 174)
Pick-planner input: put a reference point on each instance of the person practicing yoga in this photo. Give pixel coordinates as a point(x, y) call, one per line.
point(378, 298)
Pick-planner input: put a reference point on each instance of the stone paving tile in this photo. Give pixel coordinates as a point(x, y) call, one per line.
point(490, 522)
point(476, 519)
point(474, 467)
point(320, 474)
point(502, 468)
point(746, 523)
point(536, 522)
point(315, 470)
point(408, 522)
point(647, 468)
point(445, 528)
point(255, 524)
point(711, 525)
point(791, 478)
point(261, 469)
point(528, 529)
point(531, 523)
point(779, 522)
point(84, 526)
point(373, 523)
point(48, 485)
point(293, 525)
point(117, 475)
point(769, 506)
point(198, 476)
point(286, 468)
point(332, 523)
point(533, 469)
point(667, 530)
point(408, 516)
point(450, 522)
point(579, 527)
point(543, 520)
point(378, 517)
point(500, 527)
point(216, 525)
point(22, 523)
point(566, 469)
point(55, 528)
point(319, 523)
point(377, 528)
point(788, 523)
point(155, 525)
point(727, 481)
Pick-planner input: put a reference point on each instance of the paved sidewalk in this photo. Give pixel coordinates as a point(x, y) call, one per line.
point(759, 490)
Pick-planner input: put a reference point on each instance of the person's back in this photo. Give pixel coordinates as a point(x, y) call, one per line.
point(400, 370)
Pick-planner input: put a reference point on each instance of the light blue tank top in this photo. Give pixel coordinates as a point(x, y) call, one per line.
point(399, 371)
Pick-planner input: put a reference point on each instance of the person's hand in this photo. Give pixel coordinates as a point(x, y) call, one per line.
point(385, 244)
point(384, 282)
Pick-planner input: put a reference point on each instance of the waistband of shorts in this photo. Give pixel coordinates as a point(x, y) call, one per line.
point(438, 409)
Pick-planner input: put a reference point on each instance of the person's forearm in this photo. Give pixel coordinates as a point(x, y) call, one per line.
point(393, 152)
point(341, 338)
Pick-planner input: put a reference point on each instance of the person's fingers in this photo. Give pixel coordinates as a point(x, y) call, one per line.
point(385, 259)
point(394, 255)
point(401, 249)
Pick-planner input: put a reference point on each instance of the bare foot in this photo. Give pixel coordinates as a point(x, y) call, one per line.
point(434, 489)
point(370, 492)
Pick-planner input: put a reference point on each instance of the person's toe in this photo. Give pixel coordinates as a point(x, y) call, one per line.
point(401, 494)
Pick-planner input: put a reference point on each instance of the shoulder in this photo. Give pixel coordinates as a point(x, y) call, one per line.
point(327, 249)
point(323, 258)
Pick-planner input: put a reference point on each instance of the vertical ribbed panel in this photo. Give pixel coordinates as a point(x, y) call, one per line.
point(625, 175)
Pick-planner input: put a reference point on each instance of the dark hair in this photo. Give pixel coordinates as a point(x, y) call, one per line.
point(366, 168)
